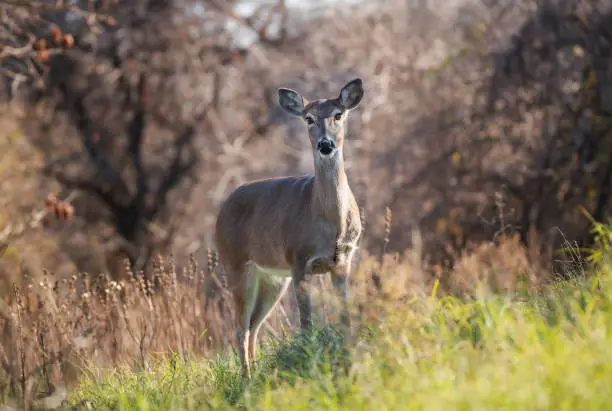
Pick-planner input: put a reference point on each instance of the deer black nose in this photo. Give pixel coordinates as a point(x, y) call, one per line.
point(326, 146)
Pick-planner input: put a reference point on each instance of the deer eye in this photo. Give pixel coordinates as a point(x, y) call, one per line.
point(338, 117)
point(309, 121)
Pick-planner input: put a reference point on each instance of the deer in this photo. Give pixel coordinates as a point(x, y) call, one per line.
point(272, 232)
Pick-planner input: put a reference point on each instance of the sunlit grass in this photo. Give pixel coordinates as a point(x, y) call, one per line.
point(553, 351)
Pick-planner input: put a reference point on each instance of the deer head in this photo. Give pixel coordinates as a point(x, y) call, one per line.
point(325, 118)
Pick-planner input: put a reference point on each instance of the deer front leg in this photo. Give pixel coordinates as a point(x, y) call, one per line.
point(303, 297)
point(340, 281)
point(340, 275)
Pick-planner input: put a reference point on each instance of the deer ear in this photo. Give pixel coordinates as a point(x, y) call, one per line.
point(291, 101)
point(351, 94)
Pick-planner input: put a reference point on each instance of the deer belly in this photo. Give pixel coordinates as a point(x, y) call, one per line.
point(262, 271)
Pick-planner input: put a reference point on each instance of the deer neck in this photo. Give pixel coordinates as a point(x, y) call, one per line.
point(331, 188)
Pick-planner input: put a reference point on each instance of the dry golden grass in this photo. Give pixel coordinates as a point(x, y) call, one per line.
point(54, 329)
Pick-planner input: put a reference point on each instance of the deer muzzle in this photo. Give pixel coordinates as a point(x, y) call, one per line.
point(326, 146)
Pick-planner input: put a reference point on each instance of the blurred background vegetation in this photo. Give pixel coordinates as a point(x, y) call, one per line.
point(486, 130)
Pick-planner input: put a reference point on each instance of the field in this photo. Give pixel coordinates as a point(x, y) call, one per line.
point(527, 351)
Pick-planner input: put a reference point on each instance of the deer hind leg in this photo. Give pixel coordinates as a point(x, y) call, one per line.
point(244, 291)
point(271, 288)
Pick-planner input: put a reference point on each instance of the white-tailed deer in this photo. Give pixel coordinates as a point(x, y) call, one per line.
point(272, 231)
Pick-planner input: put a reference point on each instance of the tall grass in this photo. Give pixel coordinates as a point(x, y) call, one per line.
point(546, 350)
point(52, 329)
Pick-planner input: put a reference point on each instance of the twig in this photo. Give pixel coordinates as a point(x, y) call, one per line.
point(8, 51)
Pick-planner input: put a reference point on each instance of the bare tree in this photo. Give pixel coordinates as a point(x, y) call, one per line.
point(126, 96)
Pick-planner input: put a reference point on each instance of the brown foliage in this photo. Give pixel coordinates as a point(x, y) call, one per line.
point(30, 36)
point(126, 111)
